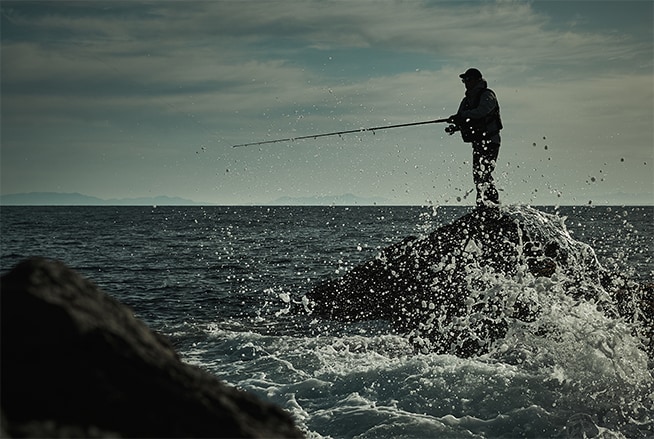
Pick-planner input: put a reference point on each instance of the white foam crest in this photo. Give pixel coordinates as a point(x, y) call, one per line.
point(372, 386)
point(593, 359)
point(375, 386)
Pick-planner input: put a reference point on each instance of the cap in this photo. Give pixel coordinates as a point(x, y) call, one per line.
point(471, 73)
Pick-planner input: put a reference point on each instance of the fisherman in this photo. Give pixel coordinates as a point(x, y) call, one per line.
point(478, 120)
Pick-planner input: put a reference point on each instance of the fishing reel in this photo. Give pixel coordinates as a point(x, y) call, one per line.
point(451, 129)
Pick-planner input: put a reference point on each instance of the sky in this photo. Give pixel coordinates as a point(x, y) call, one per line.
point(118, 99)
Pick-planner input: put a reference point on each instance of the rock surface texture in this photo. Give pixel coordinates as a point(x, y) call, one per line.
point(456, 290)
point(77, 363)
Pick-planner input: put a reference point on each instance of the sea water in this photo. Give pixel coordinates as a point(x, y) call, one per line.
point(221, 283)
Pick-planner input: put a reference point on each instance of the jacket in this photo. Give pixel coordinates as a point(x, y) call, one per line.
point(486, 114)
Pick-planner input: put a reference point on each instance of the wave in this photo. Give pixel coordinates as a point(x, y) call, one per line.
point(462, 287)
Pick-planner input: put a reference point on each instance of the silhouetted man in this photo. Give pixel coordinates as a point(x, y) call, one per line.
point(478, 120)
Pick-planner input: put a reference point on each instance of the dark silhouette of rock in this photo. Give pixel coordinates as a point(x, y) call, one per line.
point(77, 363)
point(445, 290)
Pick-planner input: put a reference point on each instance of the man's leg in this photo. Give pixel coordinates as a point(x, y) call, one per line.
point(484, 157)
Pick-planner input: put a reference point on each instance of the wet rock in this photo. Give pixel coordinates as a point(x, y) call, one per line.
point(77, 363)
point(581, 425)
point(635, 303)
point(447, 290)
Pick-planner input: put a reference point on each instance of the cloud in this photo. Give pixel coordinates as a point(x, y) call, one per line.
point(204, 47)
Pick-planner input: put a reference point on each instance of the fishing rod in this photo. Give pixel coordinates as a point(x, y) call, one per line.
point(338, 133)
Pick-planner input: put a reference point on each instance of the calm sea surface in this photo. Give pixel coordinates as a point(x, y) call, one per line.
point(218, 281)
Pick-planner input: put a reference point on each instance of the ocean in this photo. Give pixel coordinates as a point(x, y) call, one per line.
point(222, 283)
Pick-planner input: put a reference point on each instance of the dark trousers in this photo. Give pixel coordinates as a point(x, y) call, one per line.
point(484, 157)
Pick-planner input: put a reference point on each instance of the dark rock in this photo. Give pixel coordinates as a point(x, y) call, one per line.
point(77, 363)
point(445, 290)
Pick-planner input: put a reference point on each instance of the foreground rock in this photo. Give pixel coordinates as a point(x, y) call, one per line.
point(449, 291)
point(76, 363)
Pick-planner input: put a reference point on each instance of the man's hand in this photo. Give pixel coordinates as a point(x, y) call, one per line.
point(454, 119)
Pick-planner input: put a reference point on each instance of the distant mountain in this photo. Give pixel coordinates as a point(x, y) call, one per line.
point(77, 199)
point(330, 200)
point(161, 200)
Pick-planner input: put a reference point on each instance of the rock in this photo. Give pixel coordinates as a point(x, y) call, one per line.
point(445, 290)
point(77, 363)
point(581, 425)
